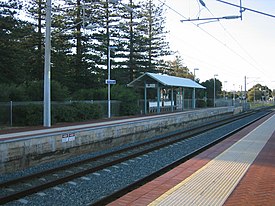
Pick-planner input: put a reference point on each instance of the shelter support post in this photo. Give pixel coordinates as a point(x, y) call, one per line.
point(172, 99)
point(158, 98)
point(182, 89)
point(194, 98)
point(145, 98)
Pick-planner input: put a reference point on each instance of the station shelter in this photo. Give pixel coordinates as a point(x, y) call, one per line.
point(165, 86)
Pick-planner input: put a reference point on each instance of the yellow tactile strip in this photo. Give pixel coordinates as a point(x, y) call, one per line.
point(213, 183)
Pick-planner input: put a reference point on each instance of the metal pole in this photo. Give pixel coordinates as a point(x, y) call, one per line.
point(214, 92)
point(215, 89)
point(195, 73)
point(194, 98)
point(224, 91)
point(234, 95)
point(11, 113)
point(182, 98)
point(158, 97)
point(172, 99)
point(47, 68)
point(145, 98)
point(109, 86)
point(245, 92)
point(254, 95)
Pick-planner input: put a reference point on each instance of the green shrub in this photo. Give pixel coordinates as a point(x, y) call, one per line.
point(35, 91)
point(201, 103)
point(27, 115)
point(32, 114)
point(87, 111)
point(101, 94)
point(63, 113)
point(90, 94)
point(84, 94)
point(128, 97)
point(210, 103)
point(12, 92)
point(4, 114)
point(75, 112)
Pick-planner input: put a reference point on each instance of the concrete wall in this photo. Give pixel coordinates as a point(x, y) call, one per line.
point(27, 151)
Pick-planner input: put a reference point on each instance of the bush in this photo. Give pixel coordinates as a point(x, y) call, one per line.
point(12, 92)
point(210, 103)
point(84, 94)
point(28, 115)
point(90, 94)
point(32, 91)
point(35, 91)
point(75, 112)
point(32, 114)
point(87, 111)
point(201, 103)
point(63, 113)
point(128, 97)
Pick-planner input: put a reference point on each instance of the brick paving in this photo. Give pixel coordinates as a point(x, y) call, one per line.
point(258, 185)
point(152, 190)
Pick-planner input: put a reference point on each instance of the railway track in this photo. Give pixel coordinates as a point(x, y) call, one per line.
point(27, 185)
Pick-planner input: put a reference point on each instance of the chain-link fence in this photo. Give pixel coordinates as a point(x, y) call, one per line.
point(31, 113)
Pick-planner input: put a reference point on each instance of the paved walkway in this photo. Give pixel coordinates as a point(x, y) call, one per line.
point(238, 171)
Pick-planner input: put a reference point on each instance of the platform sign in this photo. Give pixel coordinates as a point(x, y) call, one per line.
point(110, 81)
point(68, 137)
point(150, 85)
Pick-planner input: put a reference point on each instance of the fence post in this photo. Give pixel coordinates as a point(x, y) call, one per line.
point(11, 113)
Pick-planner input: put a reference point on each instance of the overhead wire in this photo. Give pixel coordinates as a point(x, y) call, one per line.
point(212, 36)
point(234, 39)
point(228, 70)
point(248, 9)
point(197, 27)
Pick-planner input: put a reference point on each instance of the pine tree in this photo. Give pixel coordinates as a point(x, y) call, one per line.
point(16, 47)
point(152, 38)
point(35, 10)
point(178, 69)
point(73, 61)
point(125, 40)
point(82, 31)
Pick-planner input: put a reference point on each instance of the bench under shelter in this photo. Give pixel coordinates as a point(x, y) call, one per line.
point(165, 86)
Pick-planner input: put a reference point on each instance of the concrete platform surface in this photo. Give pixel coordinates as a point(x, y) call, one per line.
point(237, 171)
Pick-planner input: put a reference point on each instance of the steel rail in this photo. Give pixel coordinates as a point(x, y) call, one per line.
point(107, 199)
point(192, 131)
point(187, 133)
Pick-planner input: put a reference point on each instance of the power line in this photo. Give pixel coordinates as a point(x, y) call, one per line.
point(222, 43)
point(212, 36)
point(245, 8)
point(229, 34)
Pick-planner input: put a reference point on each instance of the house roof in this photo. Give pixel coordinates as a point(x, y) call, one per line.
point(165, 80)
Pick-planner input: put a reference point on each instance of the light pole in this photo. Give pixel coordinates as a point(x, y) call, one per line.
point(195, 73)
point(215, 75)
point(234, 94)
point(47, 69)
point(47, 62)
point(109, 81)
point(194, 91)
point(224, 93)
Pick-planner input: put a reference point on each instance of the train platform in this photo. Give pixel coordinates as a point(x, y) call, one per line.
point(35, 131)
point(238, 171)
point(24, 148)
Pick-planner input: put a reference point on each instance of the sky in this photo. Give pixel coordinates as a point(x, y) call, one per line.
point(232, 49)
